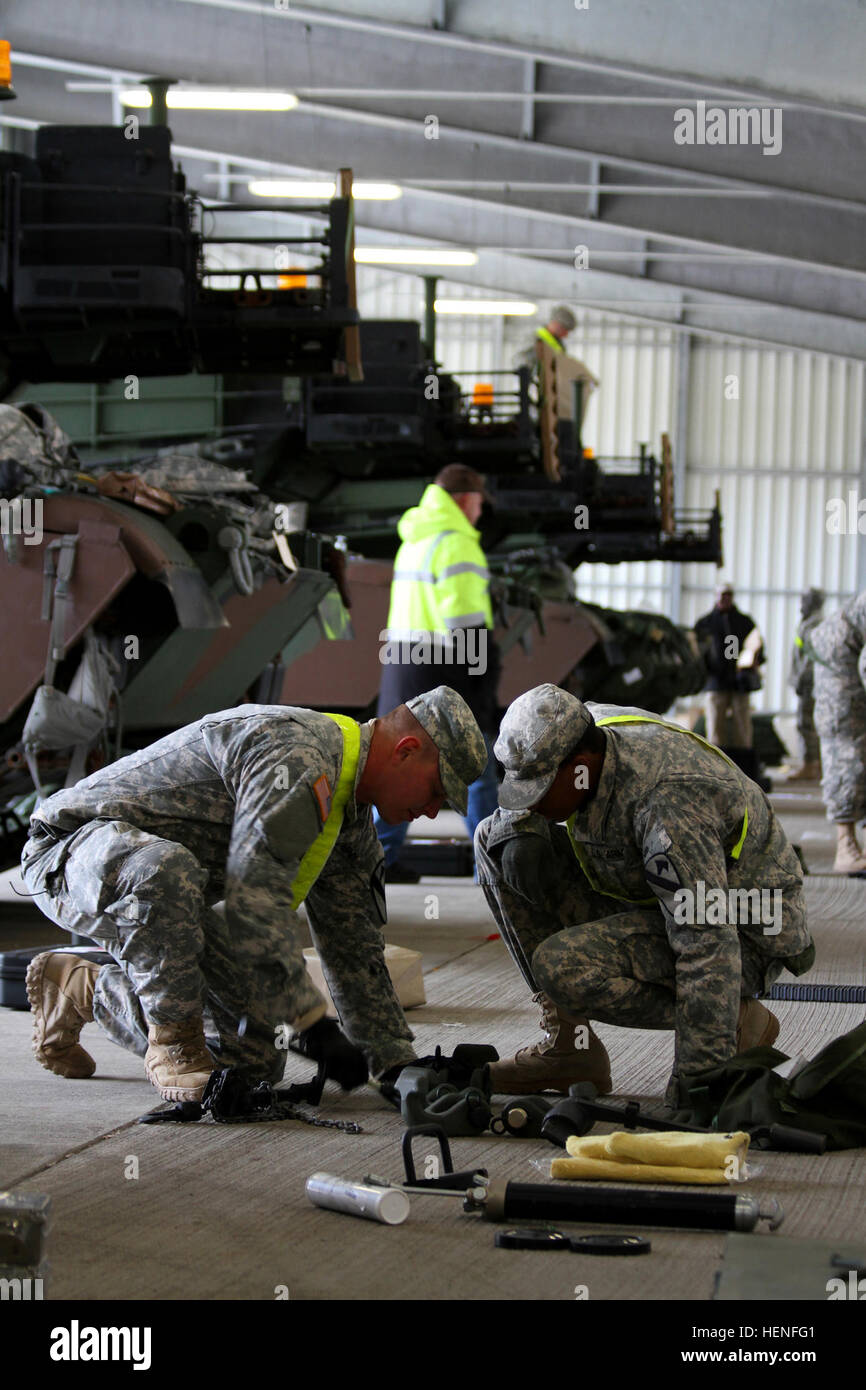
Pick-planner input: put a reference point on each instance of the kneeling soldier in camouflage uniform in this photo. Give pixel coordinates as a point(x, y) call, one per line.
point(614, 918)
point(264, 807)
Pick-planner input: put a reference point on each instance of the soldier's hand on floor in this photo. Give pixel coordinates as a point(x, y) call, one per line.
point(529, 867)
point(344, 1063)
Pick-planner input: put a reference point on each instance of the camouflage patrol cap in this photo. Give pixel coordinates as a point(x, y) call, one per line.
point(538, 732)
point(449, 721)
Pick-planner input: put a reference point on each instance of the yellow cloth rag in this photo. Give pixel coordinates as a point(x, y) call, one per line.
point(668, 1156)
point(632, 1172)
point(681, 1150)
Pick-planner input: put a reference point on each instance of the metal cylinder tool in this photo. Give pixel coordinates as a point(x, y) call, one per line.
point(702, 1211)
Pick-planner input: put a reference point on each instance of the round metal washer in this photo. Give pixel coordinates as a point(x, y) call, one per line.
point(532, 1238)
point(610, 1245)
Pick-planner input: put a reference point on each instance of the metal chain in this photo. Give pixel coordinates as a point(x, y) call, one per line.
point(285, 1111)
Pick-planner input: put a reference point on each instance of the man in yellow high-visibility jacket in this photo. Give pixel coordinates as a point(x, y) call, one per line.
point(441, 617)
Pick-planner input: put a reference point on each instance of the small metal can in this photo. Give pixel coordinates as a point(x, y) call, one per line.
point(389, 1205)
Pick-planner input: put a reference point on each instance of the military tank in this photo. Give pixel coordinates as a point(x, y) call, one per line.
point(150, 575)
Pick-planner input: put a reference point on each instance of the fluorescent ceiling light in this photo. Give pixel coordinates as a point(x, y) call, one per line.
point(213, 99)
point(313, 188)
point(484, 306)
point(395, 255)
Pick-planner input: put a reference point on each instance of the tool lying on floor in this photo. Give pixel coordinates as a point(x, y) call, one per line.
point(700, 1211)
point(453, 1092)
point(582, 1110)
point(448, 1179)
point(423, 1098)
point(522, 1117)
point(389, 1206)
point(497, 1199)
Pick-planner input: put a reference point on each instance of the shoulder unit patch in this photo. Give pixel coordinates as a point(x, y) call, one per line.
point(322, 793)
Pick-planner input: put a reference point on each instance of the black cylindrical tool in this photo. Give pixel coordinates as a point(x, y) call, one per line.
point(701, 1211)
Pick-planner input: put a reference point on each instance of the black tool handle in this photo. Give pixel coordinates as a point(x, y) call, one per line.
point(706, 1211)
point(413, 1132)
point(787, 1139)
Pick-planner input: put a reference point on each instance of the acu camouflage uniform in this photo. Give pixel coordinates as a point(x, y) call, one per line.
point(667, 813)
point(802, 682)
point(839, 647)
point(137, 855)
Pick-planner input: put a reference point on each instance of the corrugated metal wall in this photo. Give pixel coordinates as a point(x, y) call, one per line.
point(778, 453)
point(779, 434)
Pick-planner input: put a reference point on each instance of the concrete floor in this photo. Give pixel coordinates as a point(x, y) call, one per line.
point(218, 1212)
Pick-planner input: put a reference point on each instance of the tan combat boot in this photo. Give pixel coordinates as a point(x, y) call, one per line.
point(60, 990)
point(554, 1064)
point(756, 1026)
point(850, 858)
point(806, 772)
point(177, 1062)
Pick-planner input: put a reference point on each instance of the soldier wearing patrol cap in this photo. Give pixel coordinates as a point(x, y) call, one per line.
point(263, 807)
point(625, 914)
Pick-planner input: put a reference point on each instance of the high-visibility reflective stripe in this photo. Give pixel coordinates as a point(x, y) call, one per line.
point(421, 576)
point(465, 567)
point(319, 852)
point(434, 544)
point(428, 577)
point(424, 575)
point(413, 635)
point(580, 853)
point(551, 340)
point(678, 729)
point(582, 859)
point(466, 620)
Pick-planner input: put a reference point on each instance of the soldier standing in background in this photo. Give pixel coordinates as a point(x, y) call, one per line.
point(561, 322)
point(733, 650)
point(839, 647)
point(625, 913)
point(441, 615)
point(802, 682)
point(263, 807)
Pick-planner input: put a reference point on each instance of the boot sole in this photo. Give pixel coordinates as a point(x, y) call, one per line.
point(33, 986)
point(175, 1093)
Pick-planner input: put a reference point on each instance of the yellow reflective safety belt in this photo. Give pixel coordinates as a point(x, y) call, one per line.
point(317, 855)
point(579, 851)
point(552, 341)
